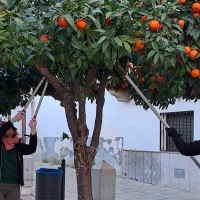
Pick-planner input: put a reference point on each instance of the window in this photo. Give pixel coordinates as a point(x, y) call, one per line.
point(183, 122)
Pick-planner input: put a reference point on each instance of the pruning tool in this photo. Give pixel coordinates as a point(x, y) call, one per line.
point(150, 106)
point(41, 97)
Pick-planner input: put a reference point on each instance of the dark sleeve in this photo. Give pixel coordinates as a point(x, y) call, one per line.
point(187, 149)
point(5, 127)
point(30, 148)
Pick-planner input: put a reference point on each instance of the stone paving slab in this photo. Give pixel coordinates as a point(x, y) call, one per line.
point(126, 189)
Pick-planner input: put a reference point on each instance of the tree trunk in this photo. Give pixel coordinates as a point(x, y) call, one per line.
point(84, 185)
point(83, 157)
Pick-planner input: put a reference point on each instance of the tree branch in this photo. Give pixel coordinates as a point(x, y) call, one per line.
point(91, 76)
point(50, 78)
point(99, 111)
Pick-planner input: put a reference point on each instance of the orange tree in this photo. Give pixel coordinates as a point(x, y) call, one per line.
point(78, 45)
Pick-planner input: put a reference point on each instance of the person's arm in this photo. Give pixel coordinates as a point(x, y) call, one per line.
point(4, 127)
point(186, 149)
point(30, 148)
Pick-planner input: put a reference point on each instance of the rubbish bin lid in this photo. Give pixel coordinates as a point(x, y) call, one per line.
point(48, 171)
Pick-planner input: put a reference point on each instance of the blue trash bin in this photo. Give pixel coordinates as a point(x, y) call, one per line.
point(48, 184)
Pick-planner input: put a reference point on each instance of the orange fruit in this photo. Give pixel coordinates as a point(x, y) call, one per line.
point(187, 49)
point(111, 87)
point(142, 80)
point(160, 78)
point(160, 26)
point(196, 14)
point(120, 14)
point(152, 87)
point(138, 68)
point(44, 38)
point(182, 1)
point(144, 18)
point(81, 23)
point(139, 44)
point(193, 54)
point(62, 21)
point(141, 3)
point(107, 21)
point(196, 7)
point(123, 85)
point(120, 90)
point(152, 79)
point(195, 73)
point(154, 25)
point(181, 23)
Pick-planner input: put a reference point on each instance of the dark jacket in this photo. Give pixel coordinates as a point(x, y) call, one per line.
point(20, 150)
point(187, 149)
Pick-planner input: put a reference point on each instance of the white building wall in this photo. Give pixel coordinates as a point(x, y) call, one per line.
point(139, 127)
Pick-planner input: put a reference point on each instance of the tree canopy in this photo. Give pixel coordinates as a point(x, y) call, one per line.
point(147, 38)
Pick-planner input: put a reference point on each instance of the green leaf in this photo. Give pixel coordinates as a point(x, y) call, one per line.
point(147, 35)
point(50, 56)
point(29, 59)
point(105, 45)
point(79, 62)
point(180, 47)
point(114, 54)
point(156, 57)
point(4, 1)
point(102, 39)
point(108, 14)
point(127, 47)
point(118, 41)
point(154, 46)
point(13, 61)
point(100, 30)
point(70, 19)
point(150, 54)
point(97, 24)
point(163, 16)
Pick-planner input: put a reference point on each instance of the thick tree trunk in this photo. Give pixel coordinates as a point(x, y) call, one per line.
point(84, 185)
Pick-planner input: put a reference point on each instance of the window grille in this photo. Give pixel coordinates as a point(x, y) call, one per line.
point(183, 122)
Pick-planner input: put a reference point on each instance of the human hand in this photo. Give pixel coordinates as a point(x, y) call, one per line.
point(18, 117)
point(172, 132)
point(32, 125)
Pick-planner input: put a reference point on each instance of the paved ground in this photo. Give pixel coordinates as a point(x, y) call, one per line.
point(125, 189)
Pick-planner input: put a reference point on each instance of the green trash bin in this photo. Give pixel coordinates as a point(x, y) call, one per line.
point(48, 184)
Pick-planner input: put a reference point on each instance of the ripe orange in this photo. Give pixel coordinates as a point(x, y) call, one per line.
point(81, 23)
point(187, 49)
point(154, 25)
point(120, 90)
point(144, 18)
point(196, 7)
point(152, 87)
point(182, 1)
point(196, 14)
point(160, 26)
point(160, 78)
point(141, 3)
point(123, 85)
point(138, 68)
point(44, 38)
point(107, 21)
point(181, 23)
point(139, 44)
point(62, 21)
point(152, 79)
point(111, 87)
point(195, 73)
point(142, 80)
point(193, 54)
